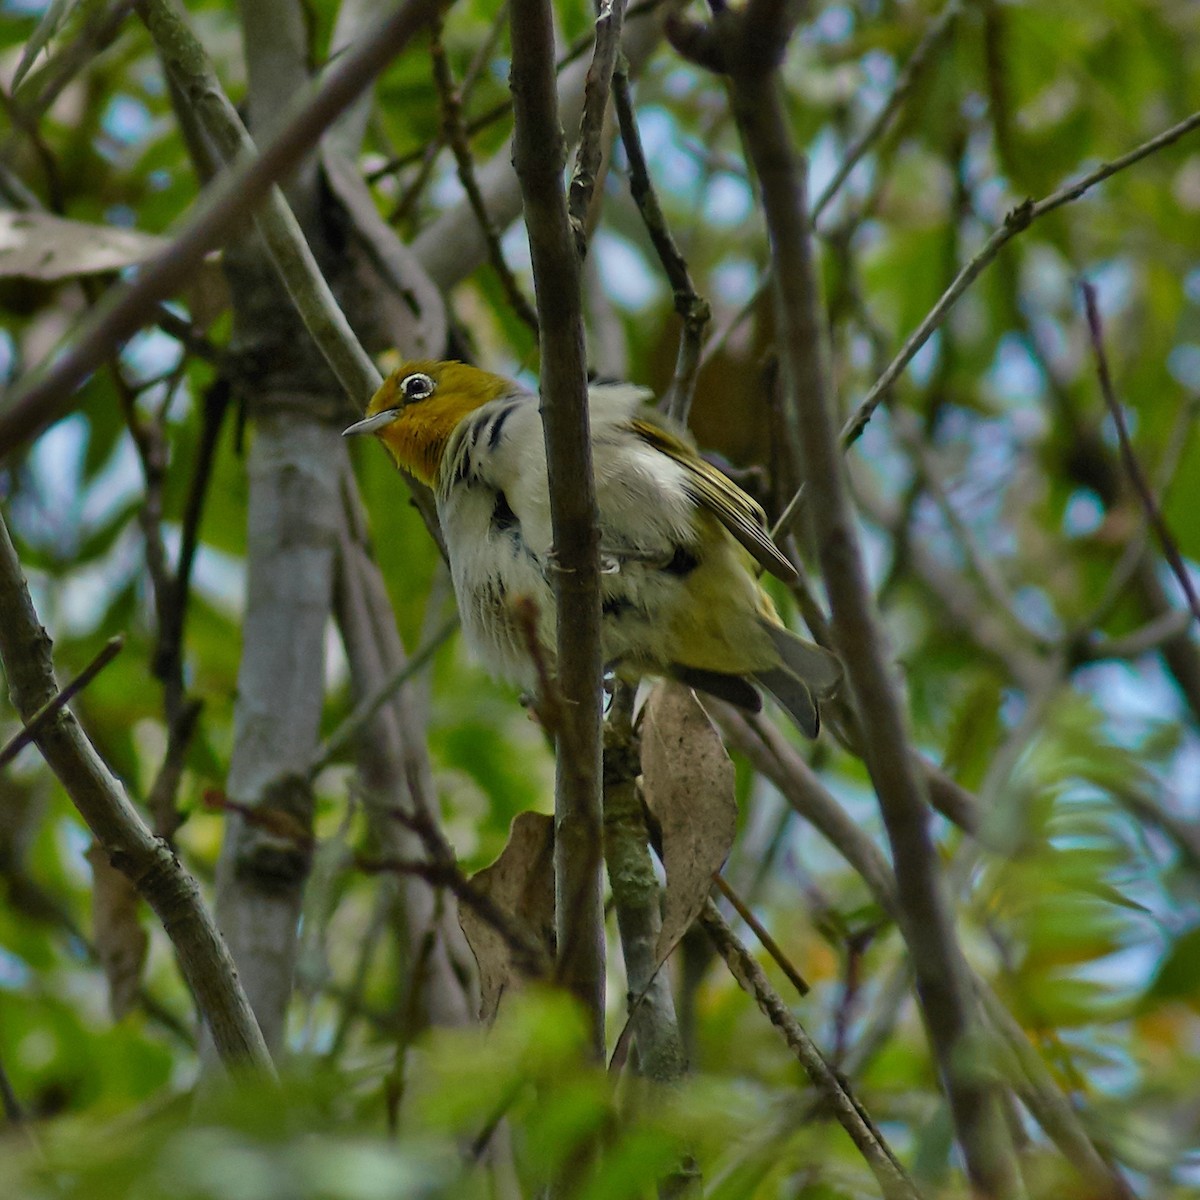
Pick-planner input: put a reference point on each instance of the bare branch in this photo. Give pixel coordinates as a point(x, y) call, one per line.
point(694, 310)
point(148, 862)
point(596, 86)
point(454, 134)
point(367, 708)
point(943, 979)
point(884, 1165)
point(451, 247)
point(1140, 484)
point(539, 156)
point(931, 39)
point(33, 726)
point(768, 943)
point(1018, 220)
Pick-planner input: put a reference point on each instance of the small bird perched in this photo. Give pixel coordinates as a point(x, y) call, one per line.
point(678, 540)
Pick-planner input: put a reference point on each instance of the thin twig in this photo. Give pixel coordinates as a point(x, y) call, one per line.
point(55, 704)
point(528, 955)
point(455, 136)
point(1137, 477)
point(148, 862)
point(884, 1165)
point(695, 311)
point(366, 710)
point(539, 156)
point(926, 920)
point(939, 27)
point(1018, 220)
point(1146, 639)
point(768, 943)
point(502, 108)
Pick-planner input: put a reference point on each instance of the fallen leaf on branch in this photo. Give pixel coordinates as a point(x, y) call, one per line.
point(688, 783)
point(521, 884)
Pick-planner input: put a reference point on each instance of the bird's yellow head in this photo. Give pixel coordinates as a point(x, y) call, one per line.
point(417, 407)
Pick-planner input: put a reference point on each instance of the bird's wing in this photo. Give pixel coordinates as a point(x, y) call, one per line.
point(741, 515)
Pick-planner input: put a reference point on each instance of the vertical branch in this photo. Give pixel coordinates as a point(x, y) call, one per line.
point(539, 155)
point(637, 898)
point(1136, 475)
point(694, 310)
point(455, 135)
point(750, 46)
point(589, 154)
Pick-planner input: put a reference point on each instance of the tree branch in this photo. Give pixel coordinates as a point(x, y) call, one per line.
point(942, 976)
point(596, 86)
point(893, 1181)
point(1018, 220)
point(147, 861)
point(538, 157)
point(37, 721)
point(47, 394)
point(455, 135)
point(694, 310)
point(938, 29)
point(1137, 477)
point(452, 246)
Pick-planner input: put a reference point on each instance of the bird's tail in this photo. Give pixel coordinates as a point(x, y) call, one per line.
point(806, 673)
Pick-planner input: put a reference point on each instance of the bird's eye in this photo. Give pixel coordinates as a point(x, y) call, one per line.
point(417, 387)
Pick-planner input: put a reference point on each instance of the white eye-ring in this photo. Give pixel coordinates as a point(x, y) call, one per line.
point(417, 387)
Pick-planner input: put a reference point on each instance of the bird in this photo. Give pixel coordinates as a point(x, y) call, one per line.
point(680, 542)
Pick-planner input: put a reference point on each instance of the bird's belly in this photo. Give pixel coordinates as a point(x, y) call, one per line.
point(501, 591)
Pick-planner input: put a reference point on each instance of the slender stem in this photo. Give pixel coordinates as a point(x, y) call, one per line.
point(694, 310)
point(368, 708)
point(768, 943)
point(454, 133)
point(943, 979)
point(939, 27)
point(589, 153)
point(539, 157)
point(1018, 220)
point(34, 725)
point(885, 1166)
point(1137, 476)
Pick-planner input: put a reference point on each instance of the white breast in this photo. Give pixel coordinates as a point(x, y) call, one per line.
point(493, 501)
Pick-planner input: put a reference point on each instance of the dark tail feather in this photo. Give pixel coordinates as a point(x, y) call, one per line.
point(725, 687)
point(817, 668)
point(794, 696)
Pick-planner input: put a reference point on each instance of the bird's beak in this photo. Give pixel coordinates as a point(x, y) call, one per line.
point(372, 423)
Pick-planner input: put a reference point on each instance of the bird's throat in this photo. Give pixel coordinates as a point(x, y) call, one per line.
point(417, 438)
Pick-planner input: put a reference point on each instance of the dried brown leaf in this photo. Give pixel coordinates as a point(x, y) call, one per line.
point(521, 884)
point(688, 783)
point(120, 939)
point(42, 246)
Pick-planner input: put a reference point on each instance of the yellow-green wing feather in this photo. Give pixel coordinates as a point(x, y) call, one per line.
point(741, 515)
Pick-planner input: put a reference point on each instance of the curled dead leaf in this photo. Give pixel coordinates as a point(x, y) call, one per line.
point(688, 782)
point(520, 883)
